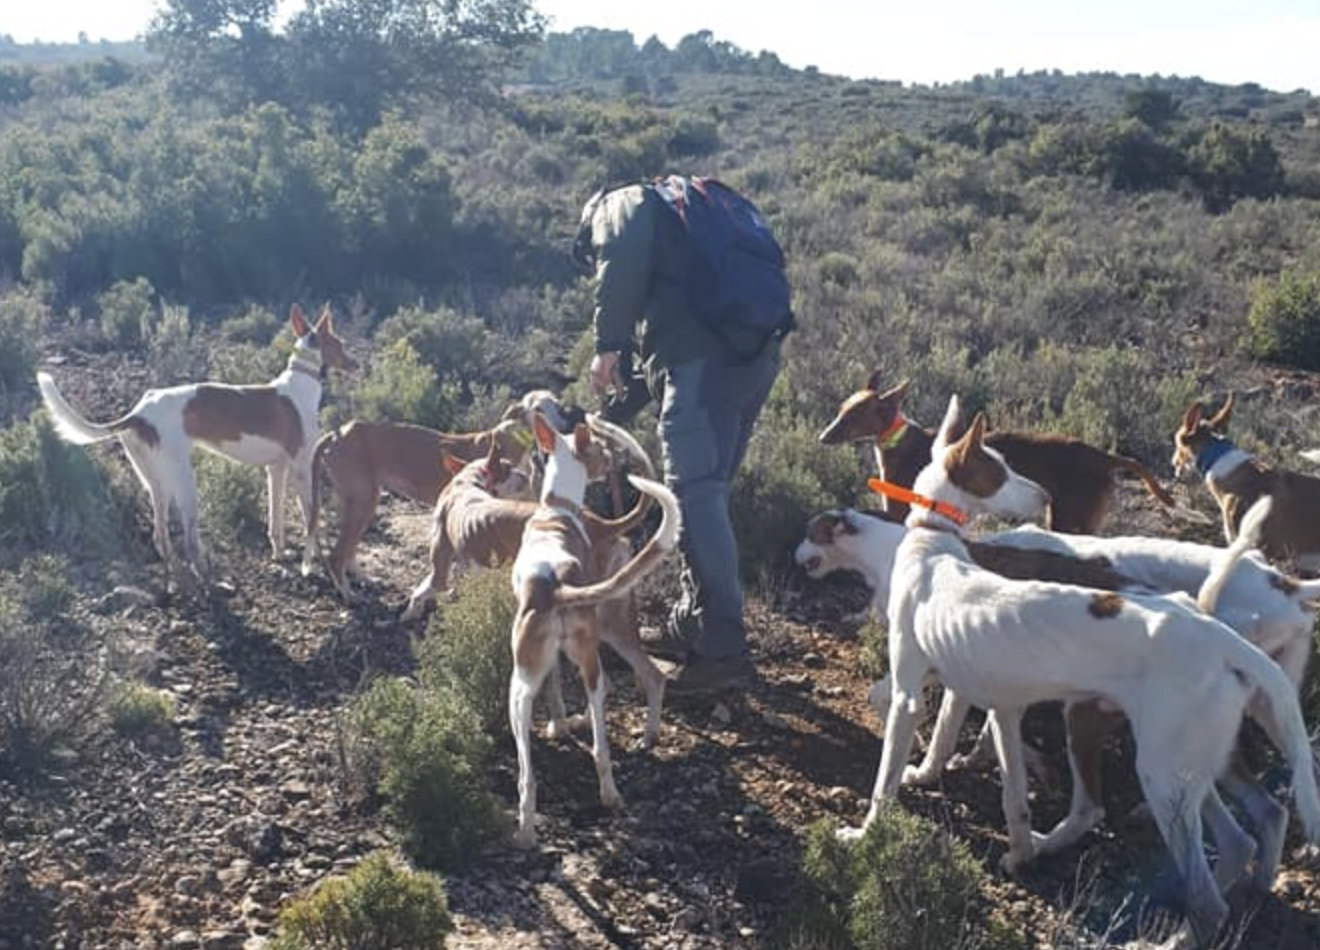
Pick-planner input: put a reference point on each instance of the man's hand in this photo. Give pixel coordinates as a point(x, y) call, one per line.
point(604, 372)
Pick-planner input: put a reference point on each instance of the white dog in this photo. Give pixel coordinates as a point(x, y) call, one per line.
point(1182, 679)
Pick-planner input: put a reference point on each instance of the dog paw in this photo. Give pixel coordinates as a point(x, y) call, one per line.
point(847, 834)
point(919, 776)
point(646, 743)
point(610, 798)
point(1013, 861)
point(525, 838)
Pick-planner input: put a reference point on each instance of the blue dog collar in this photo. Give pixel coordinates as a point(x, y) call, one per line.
point(1212, 453)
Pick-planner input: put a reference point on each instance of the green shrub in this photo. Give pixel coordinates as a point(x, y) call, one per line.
point(22, 319)
point(136, 709)
point(400, 387)
point(423, 752)
point(376, 906)
point(52, 492)
point(127, 311)
point(1283, 324)
point(232, 498)
point(906, 885)
point(50, 686)
point(466, 648)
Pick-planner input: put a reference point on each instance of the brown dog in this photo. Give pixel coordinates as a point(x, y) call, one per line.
point(1078, 477)
point(363, 458)
point(1237, 479)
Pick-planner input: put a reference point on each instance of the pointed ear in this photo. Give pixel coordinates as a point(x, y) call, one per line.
point(581, 440)
point(897, 393)
point(1191, 417)
point(874, 380)
point(326, 321)
point(976, 434)
point(298, 321)
point(951, 427)
point(451, 465)
point(1219, 422)
point(545, 433)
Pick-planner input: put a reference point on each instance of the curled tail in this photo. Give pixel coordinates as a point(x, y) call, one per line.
point(1121, 463)
point(642, 563)
point(1248, 537)
point(68, 423)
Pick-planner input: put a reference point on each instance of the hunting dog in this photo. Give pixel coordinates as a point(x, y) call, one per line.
point(1236, 479)
point(1183, 679)
point(364, 458)
point(1078, 477)
point(273, 425)
point(1268, 608)
point(556, 612)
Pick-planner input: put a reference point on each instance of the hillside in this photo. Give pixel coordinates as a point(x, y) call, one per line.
point(1082, 254)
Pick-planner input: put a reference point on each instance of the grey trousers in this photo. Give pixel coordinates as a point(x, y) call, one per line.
point(708, 410)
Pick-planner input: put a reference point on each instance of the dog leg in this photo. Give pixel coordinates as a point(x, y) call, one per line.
point(523, 686)
point(441, 558)
point(276, 477)
point(1269, 820)
point(587, 658)
point(648, 676)
point(1006, 725)
point(1088, 727)
point(948, 723)
point(1235, 846)
point(561, 724)
point(300, 475)
point(900, 726)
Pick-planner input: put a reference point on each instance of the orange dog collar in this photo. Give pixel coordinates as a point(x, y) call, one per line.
point(909, 497)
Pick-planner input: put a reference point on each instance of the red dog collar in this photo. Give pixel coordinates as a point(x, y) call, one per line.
point(909, 497)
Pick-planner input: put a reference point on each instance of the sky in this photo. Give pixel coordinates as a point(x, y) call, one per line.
point(1275, 43)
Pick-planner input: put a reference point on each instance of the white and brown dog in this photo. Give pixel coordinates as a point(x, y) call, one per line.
point(1236, 479)
point(272, 425)
point(1272, 610)
point(1183, 679)
point(557, 600)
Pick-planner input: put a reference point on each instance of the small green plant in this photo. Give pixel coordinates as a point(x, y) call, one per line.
point(127, 312)
point(136, 709)
point(423, 752)
point(907, 884)
point(400, 386)
point(1283, 324)
point(22, 320)
point(232, 498)
point(466, 649)
point(376, 906)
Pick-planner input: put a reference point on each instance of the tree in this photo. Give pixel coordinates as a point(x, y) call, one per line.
point(360, 57)
point(221, 49)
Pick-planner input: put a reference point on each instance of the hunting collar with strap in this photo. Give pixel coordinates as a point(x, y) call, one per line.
point(894, 434)
point(909, 497)
point(308, 361)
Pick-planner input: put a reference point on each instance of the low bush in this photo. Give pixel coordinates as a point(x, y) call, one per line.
point(907, 884)
point(135, 709)
point(466, 649)
point(376, 906)
point(423, 752)
point(232, 498)
point(127, 312)
point(1283, 325)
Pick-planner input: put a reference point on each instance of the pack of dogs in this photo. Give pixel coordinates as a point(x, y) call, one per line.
point(1179, 639)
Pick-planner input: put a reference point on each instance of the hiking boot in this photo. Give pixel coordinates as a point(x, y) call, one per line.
point(665, 643)
point(706, 674)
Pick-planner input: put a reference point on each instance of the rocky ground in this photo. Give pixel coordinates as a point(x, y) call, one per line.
point(194, 839)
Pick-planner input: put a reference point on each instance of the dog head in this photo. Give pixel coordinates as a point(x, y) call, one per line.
point(570, 461)
point(826, 547)
point(1199, 439)
point(867, 414)
point(493, 475)
point(319, 343)
point(969, 475)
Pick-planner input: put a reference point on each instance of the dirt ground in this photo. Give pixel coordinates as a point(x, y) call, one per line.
point(195, 839)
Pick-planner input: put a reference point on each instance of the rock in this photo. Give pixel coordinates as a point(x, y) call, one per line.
point(185, 940)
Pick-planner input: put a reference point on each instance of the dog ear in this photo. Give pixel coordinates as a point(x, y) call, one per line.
point(1191, 417)
point(896, 393)
point(544, 432)
point(874, 380)
point(326, 321)
point(581, 440)
point(1219, 422)
point(951, 427)
point(298, 321)
point(844, 524)
point(451, 465)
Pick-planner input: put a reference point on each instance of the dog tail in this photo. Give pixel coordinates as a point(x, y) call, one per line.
point(1121, 463)
point(1281, 695)
point(323, 445)
point(1311, 455)
point(641, 564)
point(69, 424)
point(1248, 537)
point(621, 437)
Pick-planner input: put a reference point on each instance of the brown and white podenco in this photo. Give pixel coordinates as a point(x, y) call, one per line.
point(272, 425)
point(364, 458)
point(556, 612)
point(1273, 611)
point(1183, 679)
point(1078, 476)
point(1236, 479)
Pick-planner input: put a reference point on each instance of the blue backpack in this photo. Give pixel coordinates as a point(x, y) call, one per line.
point(736, 273)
